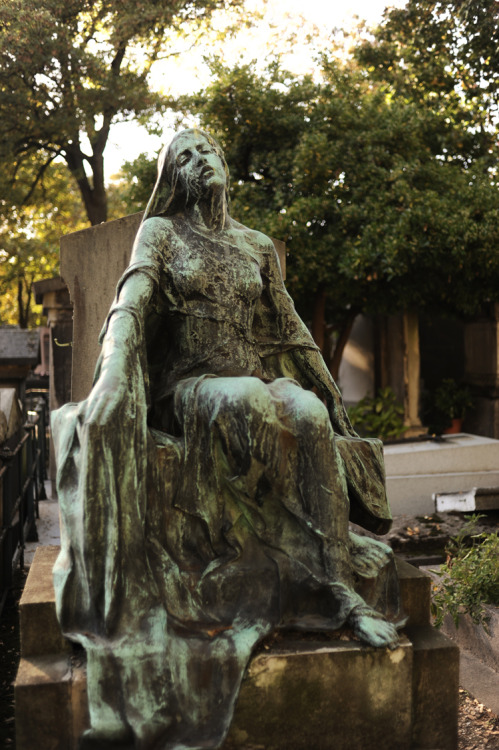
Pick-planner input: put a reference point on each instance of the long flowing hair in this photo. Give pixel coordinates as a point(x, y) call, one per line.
point(168, 198)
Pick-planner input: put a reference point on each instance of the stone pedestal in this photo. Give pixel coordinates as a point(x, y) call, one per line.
point(316, 695)
point(299, 692)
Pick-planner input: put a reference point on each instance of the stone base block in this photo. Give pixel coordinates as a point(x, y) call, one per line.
point(335, 697)
point(415, 593)
point(435, 689)
point(40, 631)
point(51, 702)
point(302, 692)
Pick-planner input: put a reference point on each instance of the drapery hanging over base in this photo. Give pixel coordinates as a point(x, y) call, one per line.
point(181, 552)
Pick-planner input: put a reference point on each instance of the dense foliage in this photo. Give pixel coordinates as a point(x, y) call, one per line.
point(379, 171)
point(70, 68)
point(380, 416)
point(29, 240)
point(385, 203)
point(470, 576)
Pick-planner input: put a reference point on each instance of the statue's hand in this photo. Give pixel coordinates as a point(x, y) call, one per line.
point(106, 397)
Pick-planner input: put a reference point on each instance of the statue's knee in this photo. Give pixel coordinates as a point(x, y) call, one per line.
point(241, 399)
point(309, 414)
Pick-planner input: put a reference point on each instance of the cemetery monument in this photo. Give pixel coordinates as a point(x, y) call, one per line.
point(205, 488)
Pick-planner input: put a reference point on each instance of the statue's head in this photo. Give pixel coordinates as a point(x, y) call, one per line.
point(182, 174)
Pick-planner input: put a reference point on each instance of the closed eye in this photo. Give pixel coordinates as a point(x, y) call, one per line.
point(184, 157)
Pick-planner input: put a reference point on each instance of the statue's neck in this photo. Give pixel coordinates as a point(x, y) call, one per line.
point(209, 214)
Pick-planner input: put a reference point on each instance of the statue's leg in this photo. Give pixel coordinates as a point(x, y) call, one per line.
point(320, 478)
point(271, 447)
point(317, 472)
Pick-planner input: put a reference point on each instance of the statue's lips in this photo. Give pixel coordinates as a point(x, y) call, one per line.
point(207, 170)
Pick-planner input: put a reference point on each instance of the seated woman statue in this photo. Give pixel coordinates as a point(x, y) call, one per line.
point(205, 488)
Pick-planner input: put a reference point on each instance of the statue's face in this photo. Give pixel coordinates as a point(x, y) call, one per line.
point(197, 163)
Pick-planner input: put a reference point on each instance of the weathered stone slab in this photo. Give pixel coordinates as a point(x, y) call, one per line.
point(415, 593)
point(483, 644)
point(43, 703)
point(299, 694)
point(40, 631)
point(329, 697)
point(417, 471)
point(435, 680)
point(480, 680)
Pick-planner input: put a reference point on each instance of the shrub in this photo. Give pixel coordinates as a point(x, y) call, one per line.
point(469, 577)
point(380, 416)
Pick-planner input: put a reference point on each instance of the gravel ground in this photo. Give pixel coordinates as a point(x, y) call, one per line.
point(9, 660)
point(421, 537)
point(413, 537)
point(478, 726)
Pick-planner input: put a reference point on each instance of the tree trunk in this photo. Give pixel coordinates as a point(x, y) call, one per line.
point(23, 310)
point(344, 335)
point(319, 332)
point(93, 195)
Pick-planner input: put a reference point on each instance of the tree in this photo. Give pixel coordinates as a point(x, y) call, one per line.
point(444, 53)
point(385, 204)
point(132, 186)
point(70, 68)
point(29, 239)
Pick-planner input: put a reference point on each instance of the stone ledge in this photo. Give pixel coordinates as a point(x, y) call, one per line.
point(334, 696)
point(41, 634)
point(297, 695)
point(40, 631)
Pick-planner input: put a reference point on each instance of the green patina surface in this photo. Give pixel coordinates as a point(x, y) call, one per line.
point(205, 489)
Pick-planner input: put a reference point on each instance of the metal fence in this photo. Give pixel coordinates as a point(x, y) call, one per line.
point(23, 462)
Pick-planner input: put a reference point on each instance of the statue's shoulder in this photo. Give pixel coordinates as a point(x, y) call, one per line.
point(257, 239)
point(158, 238)
point(158, 226)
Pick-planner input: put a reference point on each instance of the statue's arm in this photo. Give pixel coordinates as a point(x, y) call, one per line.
point(307, 361)
point(311, 365)
point(123, 335)
point(120, 348)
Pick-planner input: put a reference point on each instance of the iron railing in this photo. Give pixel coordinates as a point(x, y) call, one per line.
point(23, 461)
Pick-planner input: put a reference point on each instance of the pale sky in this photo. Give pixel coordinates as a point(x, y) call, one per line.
point(187, 73)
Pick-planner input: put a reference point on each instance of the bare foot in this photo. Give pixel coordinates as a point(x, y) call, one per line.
point(371, 550)
point(373, 629)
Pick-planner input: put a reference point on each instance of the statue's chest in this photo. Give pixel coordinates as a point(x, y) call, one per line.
point(221, 274)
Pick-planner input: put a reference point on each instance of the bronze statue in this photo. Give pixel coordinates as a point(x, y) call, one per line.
point(205, 489)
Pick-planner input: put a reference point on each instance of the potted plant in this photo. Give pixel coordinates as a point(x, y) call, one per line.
point(452, 401)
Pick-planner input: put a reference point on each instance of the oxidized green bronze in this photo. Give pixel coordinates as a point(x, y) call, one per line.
point(205, 490)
